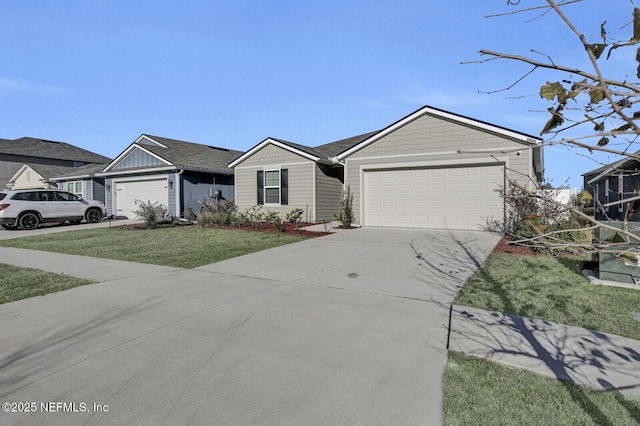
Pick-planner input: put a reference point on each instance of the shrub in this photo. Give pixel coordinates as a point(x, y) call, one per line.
point(251, 216)
point(294, 216)
point(152, 213)
point(274, 219)
point(346, 216)
point(547, 226)
point(218, 212)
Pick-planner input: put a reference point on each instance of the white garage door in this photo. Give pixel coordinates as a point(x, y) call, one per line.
point(129, 192)
point(451, 198)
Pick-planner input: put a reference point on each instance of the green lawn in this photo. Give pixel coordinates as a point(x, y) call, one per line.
point(182, 246)
point(552, 289)
point(479, 392)
point(21, 283)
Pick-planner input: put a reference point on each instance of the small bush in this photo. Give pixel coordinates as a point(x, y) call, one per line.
point(218, 212)
point(346, 216)
point(251, 216)
point(152, 213)
point(274, 219)
point(294, 216)
point(546, 226)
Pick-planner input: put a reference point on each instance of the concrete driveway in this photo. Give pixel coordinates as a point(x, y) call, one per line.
point(345, 329)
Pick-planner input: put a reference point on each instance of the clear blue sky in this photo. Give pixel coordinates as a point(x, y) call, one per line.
point(231, 73)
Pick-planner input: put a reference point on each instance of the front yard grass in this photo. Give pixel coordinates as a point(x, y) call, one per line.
point(183, 246)
point(21, 283)
point(479, 392)
point(482, 392)
point(552, 289)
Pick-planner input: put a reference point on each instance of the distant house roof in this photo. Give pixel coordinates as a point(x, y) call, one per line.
point(42, 148)
point(180, 154)
point(68, 173)
point(610, 169)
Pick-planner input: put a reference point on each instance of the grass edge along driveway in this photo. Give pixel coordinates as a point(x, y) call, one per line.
point(482, 392)
point(21, 283)
point(182, 247)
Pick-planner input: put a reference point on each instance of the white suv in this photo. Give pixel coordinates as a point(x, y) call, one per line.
point(28, 208)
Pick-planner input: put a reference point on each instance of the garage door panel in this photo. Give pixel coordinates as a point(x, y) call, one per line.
point(130, 193)
point(456, 197)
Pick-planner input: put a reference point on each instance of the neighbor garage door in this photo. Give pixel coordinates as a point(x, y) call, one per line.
point(128, 193)
point(451, 198)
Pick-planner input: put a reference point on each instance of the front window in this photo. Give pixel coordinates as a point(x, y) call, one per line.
point(65, 196)
point(75, 188)
point(272, 186)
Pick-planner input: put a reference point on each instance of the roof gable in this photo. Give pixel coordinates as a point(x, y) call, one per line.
point(138, 158)
point(445, 115)
point(302, 150)
point(148, 152)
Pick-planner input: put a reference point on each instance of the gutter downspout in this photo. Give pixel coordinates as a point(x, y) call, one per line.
point(178, 192)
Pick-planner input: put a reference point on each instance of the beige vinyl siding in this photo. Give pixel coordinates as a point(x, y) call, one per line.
point(271, 154)
point(29, 179)
point(300, 188)
point(435, 142)
point(328, 196)
point(246, 187)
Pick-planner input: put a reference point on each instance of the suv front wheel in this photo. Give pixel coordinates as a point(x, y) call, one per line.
point(93, 216)
point(29, 221)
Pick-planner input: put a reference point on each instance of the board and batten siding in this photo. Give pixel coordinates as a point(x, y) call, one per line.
point(271, 157)
point(434, 142)
point(328, 196)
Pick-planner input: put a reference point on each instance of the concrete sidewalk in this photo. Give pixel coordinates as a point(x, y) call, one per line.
point(586, 357)
point(91, 268)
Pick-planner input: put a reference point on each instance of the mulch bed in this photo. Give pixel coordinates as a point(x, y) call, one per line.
point(504, 246)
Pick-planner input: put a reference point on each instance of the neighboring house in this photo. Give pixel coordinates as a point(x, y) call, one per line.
point(83, 182)
point(611, 183)
point(36, 154)
point(174, 173)
point(431, 169)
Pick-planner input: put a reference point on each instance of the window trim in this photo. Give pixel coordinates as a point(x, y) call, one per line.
point(267, 187)
point(283, 187)
point(75, 184)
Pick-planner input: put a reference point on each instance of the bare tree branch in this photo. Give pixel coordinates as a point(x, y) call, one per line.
point(604, 83)
point(594, 77)
point(529, 9)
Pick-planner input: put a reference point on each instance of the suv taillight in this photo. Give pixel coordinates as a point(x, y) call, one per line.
point(4, 206)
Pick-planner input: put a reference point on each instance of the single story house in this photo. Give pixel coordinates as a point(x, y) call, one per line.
point(31, 163)
point(612, 183)
point(172, 172)
point(430, 169)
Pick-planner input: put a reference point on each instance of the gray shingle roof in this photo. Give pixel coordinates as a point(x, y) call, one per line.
point(33, 147)
point(307, 149)
point(193, 155)
point(49, 171)
point(334, 148)
point(71, 172)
